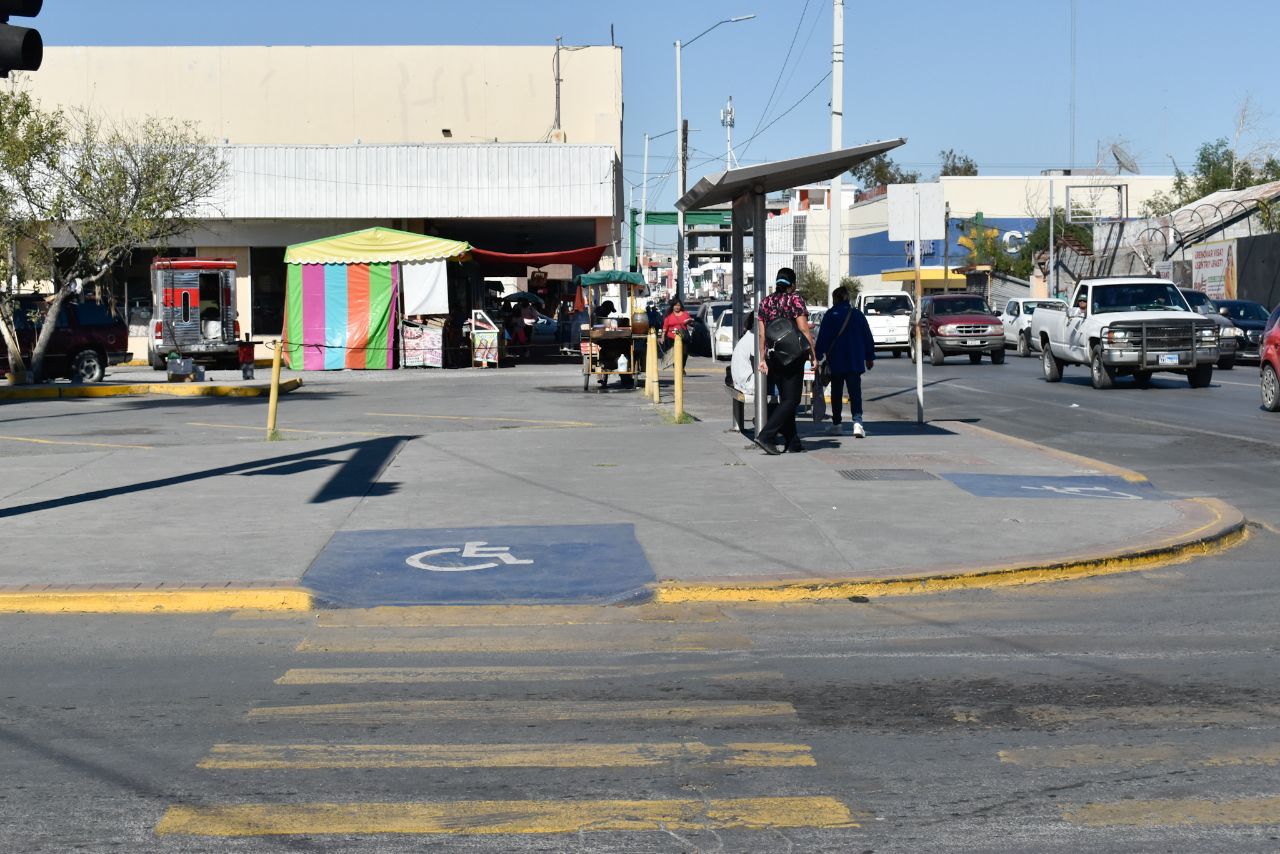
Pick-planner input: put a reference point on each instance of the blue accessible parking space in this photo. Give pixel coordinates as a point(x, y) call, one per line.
point(1088, 487)
point(480, 566)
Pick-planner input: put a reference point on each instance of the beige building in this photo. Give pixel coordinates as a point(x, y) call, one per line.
point(488, 144)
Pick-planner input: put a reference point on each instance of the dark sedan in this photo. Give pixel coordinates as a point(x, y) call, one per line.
point(1250, 317)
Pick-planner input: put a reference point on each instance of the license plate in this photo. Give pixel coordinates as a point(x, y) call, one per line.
point(972, 343)
point(1168, 358)
point(891, 339)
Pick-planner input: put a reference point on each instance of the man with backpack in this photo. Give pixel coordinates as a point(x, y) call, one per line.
point(845, 342)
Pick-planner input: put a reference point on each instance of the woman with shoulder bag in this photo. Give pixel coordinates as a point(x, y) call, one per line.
point(785, 339)
point(845, 342)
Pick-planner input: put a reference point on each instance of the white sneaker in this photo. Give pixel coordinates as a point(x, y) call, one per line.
point(833, 430)
point(858, 431)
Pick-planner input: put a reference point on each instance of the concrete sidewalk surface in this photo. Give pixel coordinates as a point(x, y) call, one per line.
point(461, 466)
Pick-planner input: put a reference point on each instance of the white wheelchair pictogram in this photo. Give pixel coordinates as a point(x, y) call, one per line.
point(1087, 492)
point(476, 549)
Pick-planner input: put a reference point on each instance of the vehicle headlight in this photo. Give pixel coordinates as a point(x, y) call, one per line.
point(996, 329)
point(1208, 334)
point(948, 329)
point(1229, 332)
point(1116, 336)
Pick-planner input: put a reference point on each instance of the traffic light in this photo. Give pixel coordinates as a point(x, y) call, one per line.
point(21, 48)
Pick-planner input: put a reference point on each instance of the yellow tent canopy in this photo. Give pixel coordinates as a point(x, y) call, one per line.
point(375, 246)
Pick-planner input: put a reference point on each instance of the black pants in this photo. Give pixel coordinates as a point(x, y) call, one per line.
point(854, 383)
point(790, 382)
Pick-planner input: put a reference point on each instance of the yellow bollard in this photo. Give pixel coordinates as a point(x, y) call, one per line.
point(679, 374)
point(651, 367)
point(274, 400)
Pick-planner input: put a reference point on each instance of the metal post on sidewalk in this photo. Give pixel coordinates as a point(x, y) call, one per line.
point(274, 400)
point(651, 366)
point(678, 368)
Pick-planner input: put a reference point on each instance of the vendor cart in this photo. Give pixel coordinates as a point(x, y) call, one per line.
point(608, 344)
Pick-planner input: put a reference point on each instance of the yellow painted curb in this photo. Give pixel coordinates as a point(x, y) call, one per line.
point(174, 601)
point(137, 389)
point(1201, 542)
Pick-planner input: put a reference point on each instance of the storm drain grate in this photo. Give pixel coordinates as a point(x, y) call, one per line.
point(886, 474)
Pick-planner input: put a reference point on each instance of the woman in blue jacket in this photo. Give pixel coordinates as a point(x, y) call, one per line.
point(844, 339)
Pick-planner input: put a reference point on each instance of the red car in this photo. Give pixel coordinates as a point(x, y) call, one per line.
point(1269, 360)
point(87, 338)
point(960, 323)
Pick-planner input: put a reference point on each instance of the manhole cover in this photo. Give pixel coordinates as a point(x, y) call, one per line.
point(886, 474)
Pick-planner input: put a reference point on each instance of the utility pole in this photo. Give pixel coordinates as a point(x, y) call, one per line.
point(946, 249)
point(1071, 157)
point(644, 205)
point(835, 208)
point(726, 119)
point(681, 142)
point(1051, 278)
point(682, 262)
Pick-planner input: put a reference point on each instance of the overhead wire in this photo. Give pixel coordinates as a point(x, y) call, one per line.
point(781, 70)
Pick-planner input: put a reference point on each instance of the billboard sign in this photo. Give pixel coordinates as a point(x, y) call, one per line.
point(1213, 269)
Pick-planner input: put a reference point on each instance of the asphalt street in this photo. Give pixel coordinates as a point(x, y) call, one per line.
point(1138, 712)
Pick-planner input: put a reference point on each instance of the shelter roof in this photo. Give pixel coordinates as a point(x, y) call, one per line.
point(376, 245)
point(780, 174)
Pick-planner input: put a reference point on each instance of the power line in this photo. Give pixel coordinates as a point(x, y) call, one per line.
point(777, 81)
point(785, 112)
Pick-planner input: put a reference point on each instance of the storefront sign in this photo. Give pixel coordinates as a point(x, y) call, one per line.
point(1213, 269)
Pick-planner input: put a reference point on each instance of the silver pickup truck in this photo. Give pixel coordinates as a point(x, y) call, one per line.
point(1127, 327)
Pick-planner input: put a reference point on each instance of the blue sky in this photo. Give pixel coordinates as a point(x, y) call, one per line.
point(989, 79)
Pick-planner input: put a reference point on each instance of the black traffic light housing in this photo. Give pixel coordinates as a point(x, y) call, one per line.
point(21, 48)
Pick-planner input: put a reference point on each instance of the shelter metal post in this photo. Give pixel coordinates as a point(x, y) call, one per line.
point(758, 251)
point(741, 215)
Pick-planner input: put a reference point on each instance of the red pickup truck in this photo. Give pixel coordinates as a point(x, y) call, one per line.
point(87, 339)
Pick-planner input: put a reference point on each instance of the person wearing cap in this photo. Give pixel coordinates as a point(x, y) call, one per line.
point(789, 379)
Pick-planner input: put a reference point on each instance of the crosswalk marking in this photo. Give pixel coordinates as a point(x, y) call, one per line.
point(524, 710)
point(615, 640)
point(1156, 715)
point(494, 817)
point(1172, 812)
point(516, 615)
point(1091, 755)
point(408, 675)
point(254, 757)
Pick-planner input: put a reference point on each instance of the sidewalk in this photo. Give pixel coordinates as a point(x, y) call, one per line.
point(461, 488)
point(133, 381)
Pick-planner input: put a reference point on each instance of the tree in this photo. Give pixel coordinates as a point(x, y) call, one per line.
point(1038, 240)
point(1218, 166)
point(880, 171)
point(104, 189)
point(955, 163)
point(811, 283)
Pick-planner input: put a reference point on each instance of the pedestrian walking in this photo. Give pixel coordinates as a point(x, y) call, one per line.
point(677, 323)
point(845, 341)
point(782, 328)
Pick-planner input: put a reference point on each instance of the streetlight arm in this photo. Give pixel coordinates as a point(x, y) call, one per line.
point(716, 24)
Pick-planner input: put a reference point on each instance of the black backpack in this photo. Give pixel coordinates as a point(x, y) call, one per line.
point(786, 344)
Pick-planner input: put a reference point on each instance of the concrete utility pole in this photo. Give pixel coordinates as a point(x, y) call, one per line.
point(644, 203)
point(681, 142)
point(946, 249)
point(835, 209)
point(1052, 277)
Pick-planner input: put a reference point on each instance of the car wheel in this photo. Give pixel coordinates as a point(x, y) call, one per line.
point(897, 354)
point(997, 356)
point(1200, 376)
point(1142, 379)
point(1051, 366)
point(1024, 346)
point(88, 366)
point(1099, 373)
point(159, 363)
point(1270, 388)
point(936, 356)
point(912, 352)
point(975, 358)
point(1226, 363)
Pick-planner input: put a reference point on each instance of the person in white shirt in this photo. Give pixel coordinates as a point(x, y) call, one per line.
point(742, 368)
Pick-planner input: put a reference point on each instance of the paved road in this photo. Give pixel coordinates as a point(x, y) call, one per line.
point(1098, 715)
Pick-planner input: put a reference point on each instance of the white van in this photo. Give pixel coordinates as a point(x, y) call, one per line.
point(889, 315)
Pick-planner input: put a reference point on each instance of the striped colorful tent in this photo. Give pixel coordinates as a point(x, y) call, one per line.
point(342, 296)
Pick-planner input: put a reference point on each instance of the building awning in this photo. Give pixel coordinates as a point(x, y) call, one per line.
point(927, 274)
point(780, 174)
point(375, 246)
point(516, 264)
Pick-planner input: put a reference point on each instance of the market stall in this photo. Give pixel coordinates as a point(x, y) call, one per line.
point(344, 295)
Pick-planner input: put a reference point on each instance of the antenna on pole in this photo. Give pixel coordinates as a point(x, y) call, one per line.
point(726, 120)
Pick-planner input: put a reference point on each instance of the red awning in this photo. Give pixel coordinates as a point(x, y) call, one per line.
point(512, 264)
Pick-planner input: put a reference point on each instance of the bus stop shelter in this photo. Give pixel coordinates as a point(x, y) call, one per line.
point(746, 189)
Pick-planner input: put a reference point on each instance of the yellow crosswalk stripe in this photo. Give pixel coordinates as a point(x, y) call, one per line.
point(255, 757)
point(1173, 812)
point(1155, 715)
point(493, 817)
point(515, 615)
point(489, 641)
point(1092, 755)
point(524, 710)
point(408, 675)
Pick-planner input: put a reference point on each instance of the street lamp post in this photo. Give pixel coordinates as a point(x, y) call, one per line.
point(682, 150)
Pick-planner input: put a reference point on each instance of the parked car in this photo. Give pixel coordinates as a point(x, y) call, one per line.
point(1017, 322)
point(706, 319)
point(888, 314)
point(1228, 342)
point(1251, 319)
point(1270, 363)
point(86, 340)
point(1127, 327)
point(951, 324)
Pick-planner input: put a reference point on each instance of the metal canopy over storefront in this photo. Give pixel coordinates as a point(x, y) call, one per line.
point(746, 189)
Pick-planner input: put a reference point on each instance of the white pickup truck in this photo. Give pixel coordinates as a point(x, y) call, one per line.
point(889, 316)
point(1126, 327)
point(1017, 322)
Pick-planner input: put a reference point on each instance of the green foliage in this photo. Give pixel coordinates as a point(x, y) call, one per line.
point(880, 171)
point(956, 163)
point(852, 284)
point(1038, 240)
point(811, 284)
point(1217, 167)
